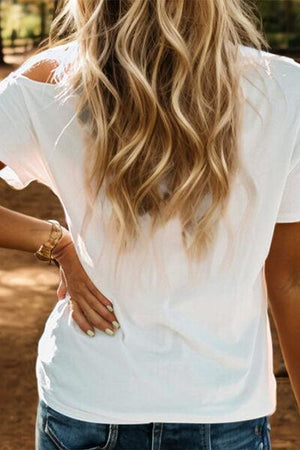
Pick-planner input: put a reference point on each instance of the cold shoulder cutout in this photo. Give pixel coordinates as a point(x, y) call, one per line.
point(42, 72)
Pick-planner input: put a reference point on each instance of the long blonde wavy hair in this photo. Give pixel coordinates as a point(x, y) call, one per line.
point(159, 84)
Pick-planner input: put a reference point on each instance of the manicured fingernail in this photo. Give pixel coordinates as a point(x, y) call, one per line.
point(109, 331)
point(116, 324)
point(110, 308)
point(90, 333)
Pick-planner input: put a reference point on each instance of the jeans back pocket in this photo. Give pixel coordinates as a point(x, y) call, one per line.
point(73, 434)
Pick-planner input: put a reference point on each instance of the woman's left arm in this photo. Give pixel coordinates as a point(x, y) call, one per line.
point(91, 309)
point(22, 232)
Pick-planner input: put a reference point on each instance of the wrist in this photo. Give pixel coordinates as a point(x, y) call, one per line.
point(64, 241)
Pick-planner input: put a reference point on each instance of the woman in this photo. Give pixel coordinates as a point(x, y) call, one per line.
point(172, 141)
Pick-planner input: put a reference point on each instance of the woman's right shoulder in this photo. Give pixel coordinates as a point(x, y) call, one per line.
point(41, 65)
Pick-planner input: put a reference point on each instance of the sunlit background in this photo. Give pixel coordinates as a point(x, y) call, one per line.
point(25, 23)
point(28, 287)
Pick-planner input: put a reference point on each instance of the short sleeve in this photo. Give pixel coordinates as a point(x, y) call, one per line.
point(19, 148)
point(289, 210)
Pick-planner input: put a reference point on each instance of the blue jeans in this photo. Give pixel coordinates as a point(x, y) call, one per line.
point(57, 431)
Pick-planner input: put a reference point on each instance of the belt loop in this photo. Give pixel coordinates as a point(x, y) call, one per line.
point(157, 429)
point(114, 431)
point(160, 435)
point(205, 436)
point(209, 436)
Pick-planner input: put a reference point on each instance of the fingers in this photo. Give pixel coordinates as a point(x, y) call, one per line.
point(92, 309)
point(80, 319)
point(100, 318)
point(99, 307)
point(99, 296)
point(94, 313)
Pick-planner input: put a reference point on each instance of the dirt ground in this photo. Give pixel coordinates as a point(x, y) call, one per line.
point(28, 294)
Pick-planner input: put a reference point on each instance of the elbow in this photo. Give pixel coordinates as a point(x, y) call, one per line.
point(282, 286)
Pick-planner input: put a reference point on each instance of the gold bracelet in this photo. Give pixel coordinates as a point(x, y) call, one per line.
point(44, 253)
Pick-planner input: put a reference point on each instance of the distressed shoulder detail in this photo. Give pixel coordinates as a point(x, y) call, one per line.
point(57, 57)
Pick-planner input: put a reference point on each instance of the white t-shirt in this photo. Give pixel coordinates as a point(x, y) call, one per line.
point(186, 352)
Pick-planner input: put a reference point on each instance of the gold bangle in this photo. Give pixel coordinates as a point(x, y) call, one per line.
point(44, 253)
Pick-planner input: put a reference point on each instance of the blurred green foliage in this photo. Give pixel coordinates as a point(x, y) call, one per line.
point(281, 20)
point(31, 20)
point(26, 25)
point(26, 19)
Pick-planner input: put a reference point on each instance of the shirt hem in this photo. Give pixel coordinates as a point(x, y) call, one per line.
point(165, 418)
point(288, 218)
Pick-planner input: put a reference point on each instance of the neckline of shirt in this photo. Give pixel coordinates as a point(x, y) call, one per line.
point(53, 86)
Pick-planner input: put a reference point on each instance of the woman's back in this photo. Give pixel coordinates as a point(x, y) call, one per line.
point(184, 345)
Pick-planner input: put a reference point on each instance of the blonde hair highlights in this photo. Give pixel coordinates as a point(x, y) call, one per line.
point(159, 84)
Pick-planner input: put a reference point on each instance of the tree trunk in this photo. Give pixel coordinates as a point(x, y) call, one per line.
point(288, 10)
point(1, 40)
point(43, 18)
